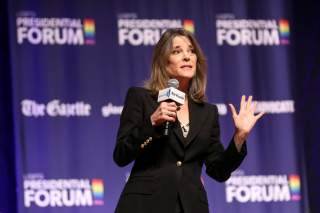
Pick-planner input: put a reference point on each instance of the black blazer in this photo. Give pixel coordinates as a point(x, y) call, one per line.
point(167, 166)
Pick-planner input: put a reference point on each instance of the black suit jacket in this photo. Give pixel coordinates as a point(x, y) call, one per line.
point(167, 166)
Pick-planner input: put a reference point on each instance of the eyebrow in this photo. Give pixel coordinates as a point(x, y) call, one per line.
point(176, 47)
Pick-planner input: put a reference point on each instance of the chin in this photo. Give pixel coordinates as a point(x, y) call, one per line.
point(187, 75)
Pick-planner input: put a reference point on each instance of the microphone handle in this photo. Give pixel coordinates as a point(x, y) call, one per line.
point(166, 128)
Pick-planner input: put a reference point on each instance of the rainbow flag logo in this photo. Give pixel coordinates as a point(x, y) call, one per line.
point(97, 190)
point(89, 31)
point(188, 25)
point(284, 30)
point(294, 182)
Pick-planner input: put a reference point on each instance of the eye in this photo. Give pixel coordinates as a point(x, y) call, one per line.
point(192, 50)
point(176, 51)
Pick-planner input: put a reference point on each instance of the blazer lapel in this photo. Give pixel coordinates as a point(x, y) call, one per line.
point(178, 132)
point(197, 116)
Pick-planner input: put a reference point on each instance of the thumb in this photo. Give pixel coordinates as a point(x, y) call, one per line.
point(233, 110)
point(260, 115)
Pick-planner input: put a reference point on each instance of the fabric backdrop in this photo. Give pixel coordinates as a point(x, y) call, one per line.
point(71, 63)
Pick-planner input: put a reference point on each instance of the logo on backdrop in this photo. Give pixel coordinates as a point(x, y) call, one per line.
point(263, 188)
point(145, 32)
point(54, 30)
point(251, 32)
point(55, 108)
point(111, 109)
point(41, 192)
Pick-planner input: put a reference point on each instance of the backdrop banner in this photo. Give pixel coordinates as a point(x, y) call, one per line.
point(73, 62)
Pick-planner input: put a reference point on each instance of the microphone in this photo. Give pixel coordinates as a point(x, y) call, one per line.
point(171, 93)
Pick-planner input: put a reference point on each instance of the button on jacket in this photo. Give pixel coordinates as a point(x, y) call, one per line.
point(168, 166)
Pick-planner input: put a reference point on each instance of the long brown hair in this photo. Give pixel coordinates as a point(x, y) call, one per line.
point(159, 74)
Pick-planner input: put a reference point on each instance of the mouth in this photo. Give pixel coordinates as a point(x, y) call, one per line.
point(186, 66)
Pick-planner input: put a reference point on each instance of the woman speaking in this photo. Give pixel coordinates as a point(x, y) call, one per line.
point(165, 177)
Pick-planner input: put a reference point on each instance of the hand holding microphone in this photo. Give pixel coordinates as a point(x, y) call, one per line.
point(170, 98)
point(166, 111)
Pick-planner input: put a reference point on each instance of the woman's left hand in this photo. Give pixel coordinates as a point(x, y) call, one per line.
point(245, 120)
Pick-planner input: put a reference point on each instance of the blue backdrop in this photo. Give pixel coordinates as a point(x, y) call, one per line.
point(67, 67)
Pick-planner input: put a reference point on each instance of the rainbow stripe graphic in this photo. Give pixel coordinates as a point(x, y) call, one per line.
point(294, 182)
point(284, 30)
point(89, 31)
point(97, 190)
point(188, 25)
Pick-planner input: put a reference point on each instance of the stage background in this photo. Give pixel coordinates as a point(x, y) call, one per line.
point(65, 70)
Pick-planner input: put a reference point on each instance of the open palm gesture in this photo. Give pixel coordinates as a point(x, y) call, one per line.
point(245, 120)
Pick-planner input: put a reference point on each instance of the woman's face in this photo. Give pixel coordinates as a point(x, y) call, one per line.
point(182, 59)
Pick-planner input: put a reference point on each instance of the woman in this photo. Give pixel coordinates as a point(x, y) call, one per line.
point(165, 177)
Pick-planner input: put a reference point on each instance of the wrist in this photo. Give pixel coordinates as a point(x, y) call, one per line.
point(240, 138)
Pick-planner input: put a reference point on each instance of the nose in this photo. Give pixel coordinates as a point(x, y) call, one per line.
point(186, 56)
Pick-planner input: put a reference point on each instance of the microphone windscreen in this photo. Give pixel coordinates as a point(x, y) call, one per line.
point(173, 83)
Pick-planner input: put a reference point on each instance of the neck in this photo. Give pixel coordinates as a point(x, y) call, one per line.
point(184, 86)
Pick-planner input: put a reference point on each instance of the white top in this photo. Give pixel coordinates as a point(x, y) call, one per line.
point(185, 129)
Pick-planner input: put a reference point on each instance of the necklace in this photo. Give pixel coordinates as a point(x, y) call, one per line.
point(185, 127)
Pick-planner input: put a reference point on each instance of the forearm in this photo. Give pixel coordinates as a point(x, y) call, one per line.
point(131, 142)
point(221, 163)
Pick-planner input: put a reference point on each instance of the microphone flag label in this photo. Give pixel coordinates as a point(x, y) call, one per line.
point(171, 94)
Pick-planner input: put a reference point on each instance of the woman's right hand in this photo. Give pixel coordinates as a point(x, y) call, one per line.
point(166, 111)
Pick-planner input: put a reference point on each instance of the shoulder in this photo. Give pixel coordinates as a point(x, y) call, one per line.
point(210, 111)
point(211, 107)
point(138, 93)
point(208, 106)
point(138, 90)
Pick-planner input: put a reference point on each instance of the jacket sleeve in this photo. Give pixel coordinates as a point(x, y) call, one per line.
point(221, 162)
point(134, 128)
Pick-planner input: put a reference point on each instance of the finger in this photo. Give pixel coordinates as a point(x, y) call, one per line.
point(163, 113)
point(254, 106)
point(243, 102)
point(171, 108)
point(259, 115)
point(171, 114)
point(249, 102)
point(162, 104)
point(172, 104)
point(168, 112)
point(173, 119)
point(165, 107)
point(168, 118)
point(233, 110)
